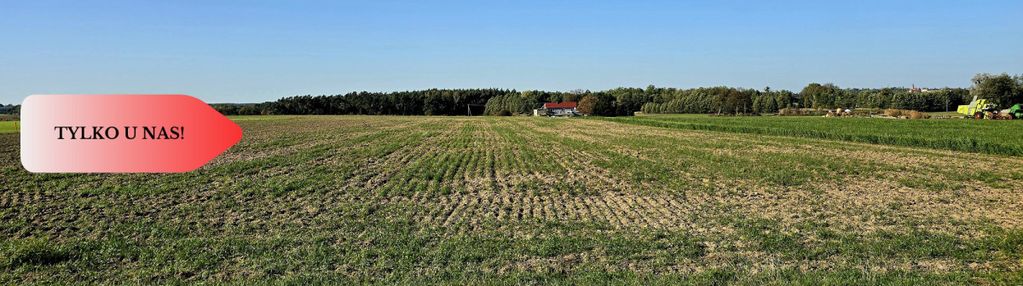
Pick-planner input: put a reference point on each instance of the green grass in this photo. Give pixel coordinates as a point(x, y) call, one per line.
point(9, 126)
point(399, 253)
point(484, 200)
point(984, 136)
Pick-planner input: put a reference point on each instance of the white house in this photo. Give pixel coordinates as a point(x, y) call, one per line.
point(567, 108)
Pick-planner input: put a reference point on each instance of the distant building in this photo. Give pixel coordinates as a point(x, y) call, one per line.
point(567, 108)
point(915, 89)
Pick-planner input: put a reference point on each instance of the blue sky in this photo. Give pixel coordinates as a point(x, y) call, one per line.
point(253, 51)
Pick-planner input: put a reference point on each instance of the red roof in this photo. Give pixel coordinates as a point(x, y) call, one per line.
point(567, 104)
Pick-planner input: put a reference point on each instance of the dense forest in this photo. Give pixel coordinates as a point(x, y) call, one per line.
point(423, 102)
point(1003, 89)
point(614, 102)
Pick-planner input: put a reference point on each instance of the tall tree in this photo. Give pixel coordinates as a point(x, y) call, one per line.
point(1001, 89)
point(816, 95)
point(587, 105)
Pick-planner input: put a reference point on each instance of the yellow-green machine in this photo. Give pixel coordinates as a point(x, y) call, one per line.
point(981, 109)
point(976, 108)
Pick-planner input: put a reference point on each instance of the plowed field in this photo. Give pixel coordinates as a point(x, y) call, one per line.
point(522, 200)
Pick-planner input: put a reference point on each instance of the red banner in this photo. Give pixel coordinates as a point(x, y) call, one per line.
point(121, 133)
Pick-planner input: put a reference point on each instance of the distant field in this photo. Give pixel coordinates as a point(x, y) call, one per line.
point(479, 200)
point(9, 126)
point(237, 118)
point(986, 136)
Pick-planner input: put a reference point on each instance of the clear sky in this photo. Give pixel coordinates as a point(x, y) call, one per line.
point(253, 51)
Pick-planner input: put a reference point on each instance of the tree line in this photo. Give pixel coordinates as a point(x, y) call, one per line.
point(419, 102)
point(10, 109)
point(1002, 89)
point(725, 100)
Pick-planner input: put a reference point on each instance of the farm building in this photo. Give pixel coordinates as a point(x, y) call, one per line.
point(567, 108)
